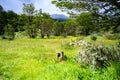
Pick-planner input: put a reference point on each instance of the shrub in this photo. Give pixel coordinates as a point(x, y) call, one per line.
point(94, 38)
point(98, 55)
point(20, 34)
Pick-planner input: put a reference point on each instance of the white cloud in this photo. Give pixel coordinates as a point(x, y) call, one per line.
point(16, 6)
point(46, 6)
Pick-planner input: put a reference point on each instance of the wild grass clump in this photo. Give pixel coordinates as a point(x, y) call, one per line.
point(67, 46)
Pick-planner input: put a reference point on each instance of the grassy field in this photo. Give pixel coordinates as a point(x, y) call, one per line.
point(35, 59)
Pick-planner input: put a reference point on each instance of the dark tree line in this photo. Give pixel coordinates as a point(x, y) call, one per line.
point(98, 15)
point(34, 23)
point(8, 23)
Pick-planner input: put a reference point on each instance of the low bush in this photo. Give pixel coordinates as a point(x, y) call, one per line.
point(20, 34)
point(98, 55)
point(94, 38)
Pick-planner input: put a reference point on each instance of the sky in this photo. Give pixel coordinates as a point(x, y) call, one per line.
point(45, 5)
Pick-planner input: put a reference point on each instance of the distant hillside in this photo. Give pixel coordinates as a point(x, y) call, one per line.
point(59, 17)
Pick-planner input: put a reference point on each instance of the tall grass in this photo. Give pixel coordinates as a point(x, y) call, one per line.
point(35, 59)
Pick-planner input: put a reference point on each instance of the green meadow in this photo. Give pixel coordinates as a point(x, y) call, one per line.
point(35, 59)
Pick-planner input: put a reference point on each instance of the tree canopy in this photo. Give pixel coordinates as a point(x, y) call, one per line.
point(104, 10)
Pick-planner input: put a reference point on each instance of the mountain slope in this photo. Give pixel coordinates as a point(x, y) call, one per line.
point(59, 17)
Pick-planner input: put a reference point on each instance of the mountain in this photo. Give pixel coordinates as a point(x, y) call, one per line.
point(59, 17)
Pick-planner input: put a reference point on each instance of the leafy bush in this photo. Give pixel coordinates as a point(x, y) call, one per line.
point(20, 34)
point(98, 55)
point(94, 38)
point(9, 32)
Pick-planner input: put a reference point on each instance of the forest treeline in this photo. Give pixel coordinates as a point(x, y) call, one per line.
point(37, 23)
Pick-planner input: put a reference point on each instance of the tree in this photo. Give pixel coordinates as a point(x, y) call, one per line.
point(12, 19)
point(9, 32)
point(7, 19)
point(70, 27)
point(22, 21)
point(31, 31)
point(46, 25)
point(108, 10)
point(30, 28)
point(3, 21)
point(38, 20)
point(1, 9)
point(85, 20)
point(29, 10)
point(58, 28)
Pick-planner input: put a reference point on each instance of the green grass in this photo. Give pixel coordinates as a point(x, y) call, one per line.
point(35, 59)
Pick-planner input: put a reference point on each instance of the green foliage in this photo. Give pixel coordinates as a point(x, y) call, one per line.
point(12, 19)
point(3, 21)
point(94, 38)
point(9, 32)
point(70, 27)
point(22, 34)
point(29, 10)
point(116, 66)
point(57, 28)
point(97, 55)
point(85, 23)
point(31, 31)
point(22, 21)
point(1, 9)
point(8, 18)
point(46, 25)
point(84, 19)
point(102, 19)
